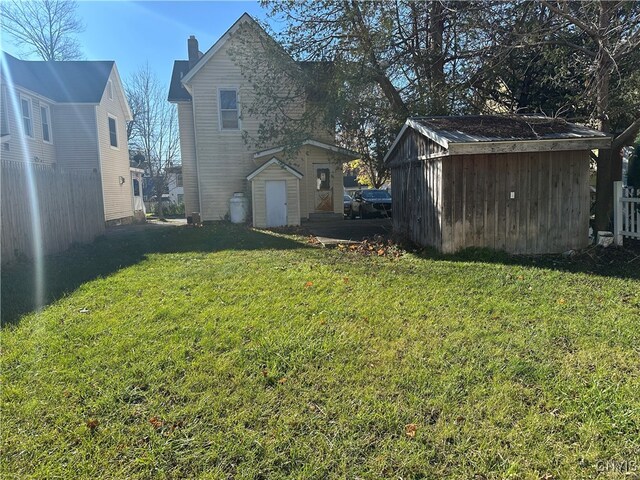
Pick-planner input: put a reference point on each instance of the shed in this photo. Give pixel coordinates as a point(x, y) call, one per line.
point(519, 184)
point(275, 194)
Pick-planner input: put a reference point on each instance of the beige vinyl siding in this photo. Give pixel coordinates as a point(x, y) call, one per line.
point(274, 172)
point(76, 139)
point(24, 148)
point(224, 160)
point(188, 155)
point(114, 162)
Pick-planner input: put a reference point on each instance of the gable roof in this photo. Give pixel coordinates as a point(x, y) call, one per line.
point(64, 82)
point(314, 143)
point(274, 161)
point(177, 92)
point(485, 133)
point(244, 18)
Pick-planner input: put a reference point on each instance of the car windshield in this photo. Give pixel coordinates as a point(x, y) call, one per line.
point(347, 197)
point(375, 194)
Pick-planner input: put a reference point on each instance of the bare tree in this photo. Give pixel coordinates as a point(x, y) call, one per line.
point(45, 27)
point(153, 131)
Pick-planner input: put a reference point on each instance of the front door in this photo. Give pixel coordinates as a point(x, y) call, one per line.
point(324, 188)
point(276, 204)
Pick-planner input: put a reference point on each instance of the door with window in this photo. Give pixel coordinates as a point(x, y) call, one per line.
point(276, 202)
point(324, 188)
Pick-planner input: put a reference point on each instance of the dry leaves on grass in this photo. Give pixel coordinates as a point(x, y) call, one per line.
point(377, 246)
point(410, 430)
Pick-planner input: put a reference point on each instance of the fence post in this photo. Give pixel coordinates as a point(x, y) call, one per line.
point(617, 213)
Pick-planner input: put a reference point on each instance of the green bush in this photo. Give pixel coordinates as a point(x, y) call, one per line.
point(170, 210)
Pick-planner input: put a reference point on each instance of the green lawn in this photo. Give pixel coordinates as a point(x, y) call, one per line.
point(227, 353)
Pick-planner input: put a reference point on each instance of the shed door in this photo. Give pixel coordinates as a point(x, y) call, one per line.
point(276, 193)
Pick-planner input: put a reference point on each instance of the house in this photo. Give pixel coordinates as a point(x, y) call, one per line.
point(175, 184)
point(70, 115)
point(212, 98)
point(519, 184)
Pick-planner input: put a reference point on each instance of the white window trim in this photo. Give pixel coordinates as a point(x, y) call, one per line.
point(110, 89)
point(48, 109)
point(33, 130)
point(237, 90)
point(115, 119)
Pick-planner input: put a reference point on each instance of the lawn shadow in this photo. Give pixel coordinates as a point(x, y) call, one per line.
point(121, 247)
point(613, 262)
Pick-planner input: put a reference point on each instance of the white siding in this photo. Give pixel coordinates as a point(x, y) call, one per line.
point(24, 148)
point(76, 136)
point(114, 162)
point(188, 155)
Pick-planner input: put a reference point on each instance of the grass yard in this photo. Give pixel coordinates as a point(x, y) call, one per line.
point(222, 353)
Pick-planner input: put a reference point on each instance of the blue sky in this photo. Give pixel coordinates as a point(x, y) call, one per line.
point(132, 33)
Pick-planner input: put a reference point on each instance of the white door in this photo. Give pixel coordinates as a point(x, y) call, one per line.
point(276, 193)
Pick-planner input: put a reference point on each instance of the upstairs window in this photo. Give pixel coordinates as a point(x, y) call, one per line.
point(27, 117)
point(45, 116)
point(113, 132)
point(179, 180)
point(228, 101)
point(110, 89)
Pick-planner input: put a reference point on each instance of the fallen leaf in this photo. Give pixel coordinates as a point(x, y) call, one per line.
point(381, 252)
point(562, 301)
point(308, 284)
point(346, 279)
point(156, 422)
point(410, 430)
point(92, 424)
point(83, 310)
point(265, 372)
point(282, 380)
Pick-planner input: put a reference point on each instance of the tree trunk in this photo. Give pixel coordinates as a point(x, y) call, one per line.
point(436, 56)
point(606, 172)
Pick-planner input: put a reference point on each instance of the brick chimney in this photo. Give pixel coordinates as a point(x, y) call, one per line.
point(192, 48)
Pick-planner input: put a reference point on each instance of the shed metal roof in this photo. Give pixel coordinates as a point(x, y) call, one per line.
point(65, 82)
point(502, 134)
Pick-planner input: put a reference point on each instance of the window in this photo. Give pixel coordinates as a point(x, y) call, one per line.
point(179, 180)
point(322, 178)
point(180, 198)
point(45, 116)
point(27, 119)
point(136, 188)
point(113, 133)
point(110, 89)
point(229, 118)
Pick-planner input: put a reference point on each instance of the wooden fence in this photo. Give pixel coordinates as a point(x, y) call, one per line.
point(64, 206)
point(626, 211)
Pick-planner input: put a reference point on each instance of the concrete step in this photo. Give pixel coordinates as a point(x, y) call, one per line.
point(325, 217)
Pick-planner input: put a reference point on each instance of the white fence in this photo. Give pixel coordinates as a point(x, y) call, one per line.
point(626, 212)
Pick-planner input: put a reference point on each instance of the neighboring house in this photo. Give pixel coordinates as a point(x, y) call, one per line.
point(70, 115)
point(519, 184)
point(210, 90)
point(175, 184)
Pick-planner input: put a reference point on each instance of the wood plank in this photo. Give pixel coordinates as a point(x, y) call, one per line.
point(490, 212)
point(458, 203)
point(533, 224)
point(501, 202)
point(522, 197)
point(468, 202)
point(512, 166)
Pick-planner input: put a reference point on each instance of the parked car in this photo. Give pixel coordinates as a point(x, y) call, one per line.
point(369, 203)
point(347, 205)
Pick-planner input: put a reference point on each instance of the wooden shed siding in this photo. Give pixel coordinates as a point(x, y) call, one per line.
point(114, 163)
point(27, 149)
point(548, 214)
point(188, 155)
point(76, 138)
point(273, 172)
